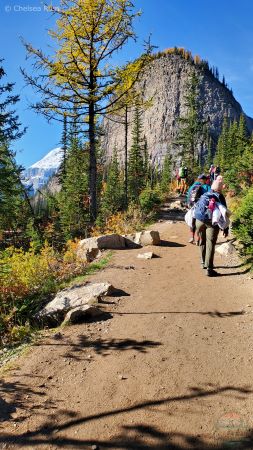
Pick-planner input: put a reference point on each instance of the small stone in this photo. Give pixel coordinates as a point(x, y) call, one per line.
point(148, 255)
point(122, 377)
point(49, 377)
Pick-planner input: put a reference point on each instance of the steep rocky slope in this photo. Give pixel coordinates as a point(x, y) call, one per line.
point(164, 82)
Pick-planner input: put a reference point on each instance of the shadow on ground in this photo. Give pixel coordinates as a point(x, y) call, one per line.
point(171, 244)
point(214, 314)
point(137, 436)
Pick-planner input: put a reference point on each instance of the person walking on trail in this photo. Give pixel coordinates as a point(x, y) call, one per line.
point(183, 174)
point(207, 229)
point(198, 188)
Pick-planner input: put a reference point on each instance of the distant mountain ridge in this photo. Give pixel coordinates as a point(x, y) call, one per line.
point(39, 174)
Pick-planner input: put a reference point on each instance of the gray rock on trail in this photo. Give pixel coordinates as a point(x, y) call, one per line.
point(225, 249)
point(176, 205)
point(72, 299)
point(144, 238)
point(82, 312)
point(89, 249)
point(148, 255)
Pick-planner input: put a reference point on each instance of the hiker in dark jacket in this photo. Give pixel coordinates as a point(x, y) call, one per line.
point(197, 189)
point(207, 231)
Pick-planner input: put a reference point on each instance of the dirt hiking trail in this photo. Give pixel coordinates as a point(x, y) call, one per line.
point(171, 367)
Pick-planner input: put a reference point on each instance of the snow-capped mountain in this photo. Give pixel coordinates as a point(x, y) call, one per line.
point(39, 174)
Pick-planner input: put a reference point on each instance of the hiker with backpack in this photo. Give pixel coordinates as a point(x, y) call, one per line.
point(206, 227)
point(183, 174)
point(198, 188)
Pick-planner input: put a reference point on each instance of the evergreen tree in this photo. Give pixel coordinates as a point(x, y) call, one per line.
point(136, 158)
point(191, 126)
point(222, 144)
point(242, 138)
point(113, 196)
point(13, 210)
point(11, 192)
point(73, 198)
point(64, 145)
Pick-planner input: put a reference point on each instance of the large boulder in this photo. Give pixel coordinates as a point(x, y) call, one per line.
point(177, 204)
point(130, 241)
point(225, 249)
point(147, 238)
point(82, 312)
point(89, 249)
point(71, 298)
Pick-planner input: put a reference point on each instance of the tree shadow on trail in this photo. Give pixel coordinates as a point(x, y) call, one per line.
point(217, 314)
point(105, 346)
point(14, 395)
point(171, 244)
point(137, 436)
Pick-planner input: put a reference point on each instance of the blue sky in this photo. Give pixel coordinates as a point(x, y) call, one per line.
point(219, 31)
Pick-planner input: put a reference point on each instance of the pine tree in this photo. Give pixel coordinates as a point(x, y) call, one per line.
point(64, 145)
point(113, 196)
point(13, 210)
point(242, 138)
point(73, 198)
point(222, 144)
point(191, 126)
point(136, 158)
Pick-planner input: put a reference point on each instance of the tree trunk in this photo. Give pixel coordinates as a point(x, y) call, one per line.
point(126, 156)
point(93, 164)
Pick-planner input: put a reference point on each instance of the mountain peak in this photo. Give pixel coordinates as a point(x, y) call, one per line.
point(38, 175)
point(51, 160)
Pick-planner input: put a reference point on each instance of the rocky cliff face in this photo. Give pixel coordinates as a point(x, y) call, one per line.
point(164, 81)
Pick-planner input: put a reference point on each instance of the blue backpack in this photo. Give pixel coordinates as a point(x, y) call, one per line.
point(202, 212)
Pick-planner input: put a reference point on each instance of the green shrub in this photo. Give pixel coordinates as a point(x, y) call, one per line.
point(28, 278)
point(243, 222)
point(149, 199)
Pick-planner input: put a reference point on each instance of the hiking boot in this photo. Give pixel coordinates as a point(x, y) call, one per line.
point(212, 273)
point(191, 240)
point(203, 265)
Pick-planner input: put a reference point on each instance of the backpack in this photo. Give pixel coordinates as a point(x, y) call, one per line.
point(205, 206)
point(183, 172)
point(195, 194)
